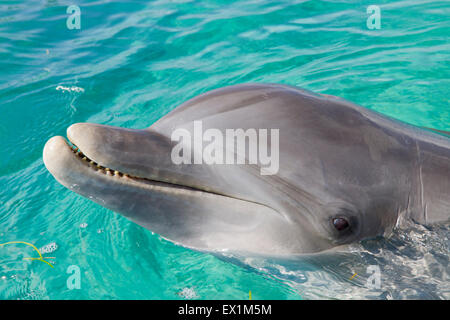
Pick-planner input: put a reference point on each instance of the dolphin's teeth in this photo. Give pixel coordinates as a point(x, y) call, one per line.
point(96, 166)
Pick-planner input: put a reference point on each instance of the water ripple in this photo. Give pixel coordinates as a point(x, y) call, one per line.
point(136, 61)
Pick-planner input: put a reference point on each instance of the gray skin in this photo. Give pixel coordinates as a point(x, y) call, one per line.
point(337, 160)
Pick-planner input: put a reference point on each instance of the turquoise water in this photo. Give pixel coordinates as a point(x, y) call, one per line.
point(132, 62)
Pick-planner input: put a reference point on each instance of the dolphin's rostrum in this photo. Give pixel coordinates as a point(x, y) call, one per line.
point(345, 173)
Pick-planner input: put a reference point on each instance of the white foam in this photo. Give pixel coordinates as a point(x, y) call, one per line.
point(188, 293)
point(70, 89)
point(49, 248)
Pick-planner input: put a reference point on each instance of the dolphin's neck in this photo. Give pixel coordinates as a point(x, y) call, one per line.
point(429, 192)
point(432, 194)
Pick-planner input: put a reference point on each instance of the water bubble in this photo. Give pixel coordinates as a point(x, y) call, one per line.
point(49, 248)
point(188, 293)
point(70, 89)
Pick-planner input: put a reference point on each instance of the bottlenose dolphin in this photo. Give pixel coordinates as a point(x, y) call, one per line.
point(346, 173)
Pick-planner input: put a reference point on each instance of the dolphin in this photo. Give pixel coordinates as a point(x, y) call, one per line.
point(346, 173)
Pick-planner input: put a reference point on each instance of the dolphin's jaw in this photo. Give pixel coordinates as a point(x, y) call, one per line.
point(62, 158)
point(52, 152)
point(78, 161)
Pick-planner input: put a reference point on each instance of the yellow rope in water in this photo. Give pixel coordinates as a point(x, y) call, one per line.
point(41, 258)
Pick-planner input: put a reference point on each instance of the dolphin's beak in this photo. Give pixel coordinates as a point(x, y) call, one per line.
point(96, 150)
point(140, 153)
point(58, 156)
point(75, 171)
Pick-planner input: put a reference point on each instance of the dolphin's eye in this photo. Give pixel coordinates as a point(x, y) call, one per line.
point(340, 223)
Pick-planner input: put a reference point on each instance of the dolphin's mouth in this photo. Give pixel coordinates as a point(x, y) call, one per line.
point(99, 162)
point(120, 177)
point(113, 173)
point(94, 165)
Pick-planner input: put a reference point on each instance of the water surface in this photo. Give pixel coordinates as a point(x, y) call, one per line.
point(131, 63)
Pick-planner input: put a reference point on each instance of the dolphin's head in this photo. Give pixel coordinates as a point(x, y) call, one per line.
point(337, 179)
